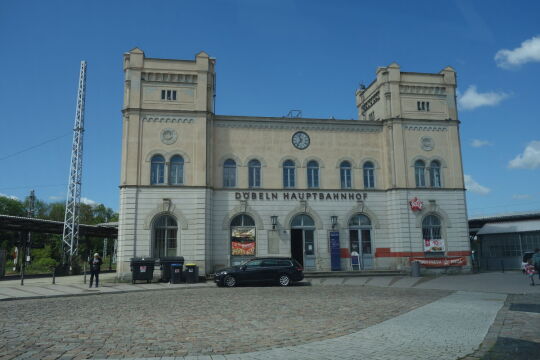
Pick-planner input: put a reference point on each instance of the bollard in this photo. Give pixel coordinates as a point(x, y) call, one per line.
point(415, 268)
point(84, 271)
point(54, 276)
point(502, 265)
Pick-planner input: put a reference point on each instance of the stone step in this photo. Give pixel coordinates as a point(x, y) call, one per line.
point(321, 274)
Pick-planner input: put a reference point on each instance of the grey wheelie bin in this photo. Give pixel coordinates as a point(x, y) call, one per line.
point(142, 269)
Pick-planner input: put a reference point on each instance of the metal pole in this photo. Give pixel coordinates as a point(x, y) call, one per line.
point(54, 276)
point(84, 271)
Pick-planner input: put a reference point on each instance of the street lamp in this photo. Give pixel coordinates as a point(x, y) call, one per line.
point(274, 221)
point(333, 220)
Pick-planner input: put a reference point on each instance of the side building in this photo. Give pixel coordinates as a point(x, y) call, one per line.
point(372, 193)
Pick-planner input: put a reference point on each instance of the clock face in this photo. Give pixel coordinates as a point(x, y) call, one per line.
point(300, 140)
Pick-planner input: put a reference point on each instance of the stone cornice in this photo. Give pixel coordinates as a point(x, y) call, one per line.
point(293, 124)
point(368, 191)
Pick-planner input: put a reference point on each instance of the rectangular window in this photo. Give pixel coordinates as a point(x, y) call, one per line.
point(288, 177)
point(168, 95)
point(346, 182)
point(254, 177)
point(422, 105)
point(313, 178)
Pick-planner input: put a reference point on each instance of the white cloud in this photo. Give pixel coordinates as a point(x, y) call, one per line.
point(522, 196)
point(12, 197)
point(56, 198)
point(529, 159)
point(529, 51)
point(479, 143)
point(473, 186)
point(88, 201)
point(472, 99)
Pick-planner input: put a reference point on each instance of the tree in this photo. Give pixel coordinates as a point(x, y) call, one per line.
point(9, 206)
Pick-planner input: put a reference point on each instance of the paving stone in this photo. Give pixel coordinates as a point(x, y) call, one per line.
point(192, 322)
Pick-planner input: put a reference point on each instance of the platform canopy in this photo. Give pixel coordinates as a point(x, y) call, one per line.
point(18, 223)
point(510, 227)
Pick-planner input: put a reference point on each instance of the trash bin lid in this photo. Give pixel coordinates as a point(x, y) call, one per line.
point(176, 264)
point(191, 264)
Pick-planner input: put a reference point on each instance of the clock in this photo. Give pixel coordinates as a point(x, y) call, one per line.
point(300, 140)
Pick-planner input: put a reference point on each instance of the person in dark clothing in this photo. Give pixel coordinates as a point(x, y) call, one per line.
point(95, 265)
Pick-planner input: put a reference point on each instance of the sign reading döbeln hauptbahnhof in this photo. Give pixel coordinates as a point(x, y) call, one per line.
point(220, 189)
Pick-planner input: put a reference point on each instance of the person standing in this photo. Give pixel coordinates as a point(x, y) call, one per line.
point(530, 271)
point(536, 261)
point(95, 265)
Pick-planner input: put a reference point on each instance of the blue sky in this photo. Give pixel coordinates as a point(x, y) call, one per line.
point(272, 56)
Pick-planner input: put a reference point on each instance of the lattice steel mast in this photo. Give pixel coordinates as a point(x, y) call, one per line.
point(71, 220)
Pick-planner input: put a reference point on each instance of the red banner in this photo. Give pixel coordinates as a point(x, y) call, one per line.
point(441, 262)
point(243, 248)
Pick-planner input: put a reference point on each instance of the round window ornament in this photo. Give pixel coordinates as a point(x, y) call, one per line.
point(168, 136)
point(427, 143)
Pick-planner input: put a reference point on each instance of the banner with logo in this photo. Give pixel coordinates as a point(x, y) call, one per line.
point(434, 245)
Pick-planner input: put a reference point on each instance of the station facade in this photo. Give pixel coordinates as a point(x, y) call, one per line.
point(371, 193)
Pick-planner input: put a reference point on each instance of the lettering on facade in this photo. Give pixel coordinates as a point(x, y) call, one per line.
point(370, 102)
point(261, 195)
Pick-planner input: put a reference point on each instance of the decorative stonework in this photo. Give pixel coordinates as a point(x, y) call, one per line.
point(168, 119)
point(422, 90)
point(425, 128)
point(426, 143)
point(297, 126)
point(168, 77)
point(168, 136)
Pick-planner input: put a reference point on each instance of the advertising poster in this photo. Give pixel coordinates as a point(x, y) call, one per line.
point(243, 242)
point(434, 245)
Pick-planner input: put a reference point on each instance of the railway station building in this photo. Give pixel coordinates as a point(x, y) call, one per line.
point(371, 193)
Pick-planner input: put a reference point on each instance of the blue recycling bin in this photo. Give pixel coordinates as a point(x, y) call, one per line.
point(176, 273)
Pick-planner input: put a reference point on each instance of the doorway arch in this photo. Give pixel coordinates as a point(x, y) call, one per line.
point(303, 241)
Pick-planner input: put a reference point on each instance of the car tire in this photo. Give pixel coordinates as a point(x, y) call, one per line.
point(284, 280)
point(229, 281)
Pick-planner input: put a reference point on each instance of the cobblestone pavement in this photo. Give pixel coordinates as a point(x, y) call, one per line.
point(515, 333)
point(196, 321)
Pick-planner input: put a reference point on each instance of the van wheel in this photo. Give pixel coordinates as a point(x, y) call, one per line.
point(229, 281)
point(284, 280)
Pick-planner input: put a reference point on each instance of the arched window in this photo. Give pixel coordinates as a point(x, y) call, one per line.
point(345, 175)
point(313, 174)
point(302, 221)
point(432, 235)
point(369, 175)
point(289, 170)
point(435, 174)
point(431, 227)
point(176, 170)
point(229, 173)
point(419, 173)
point(165, 234)
point(243, 238)
point(254, 176)
point(157, 170)
point(360, 240)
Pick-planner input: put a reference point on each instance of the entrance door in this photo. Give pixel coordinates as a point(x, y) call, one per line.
point(360, 240)
point(303, 241)
point(297, 247)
